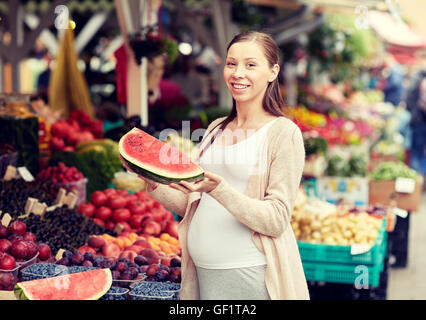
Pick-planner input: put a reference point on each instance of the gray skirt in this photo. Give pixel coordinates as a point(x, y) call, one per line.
point(233, 284)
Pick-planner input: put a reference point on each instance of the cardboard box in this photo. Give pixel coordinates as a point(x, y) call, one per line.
point(384, 192)
point(351, 190)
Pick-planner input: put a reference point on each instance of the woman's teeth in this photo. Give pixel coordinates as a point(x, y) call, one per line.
point(239, 86)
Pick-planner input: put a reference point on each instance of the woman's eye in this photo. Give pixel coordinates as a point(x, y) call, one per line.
point(230, 64)
point(251, 65)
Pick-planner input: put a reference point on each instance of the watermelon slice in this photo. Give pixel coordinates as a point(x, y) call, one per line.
point(86, 285)
point(156, 160)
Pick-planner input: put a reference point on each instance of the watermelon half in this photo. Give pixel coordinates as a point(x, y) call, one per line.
point(156, 160)
point(86, 285)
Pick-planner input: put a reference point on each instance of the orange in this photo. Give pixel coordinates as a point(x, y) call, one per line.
point(164, 236)
point(155, 246)
point(120, 243)
point(127, 242)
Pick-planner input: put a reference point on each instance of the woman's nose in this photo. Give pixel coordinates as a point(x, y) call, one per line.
point(238, 72)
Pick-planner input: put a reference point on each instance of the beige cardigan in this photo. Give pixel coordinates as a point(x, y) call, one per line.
point(265, 207)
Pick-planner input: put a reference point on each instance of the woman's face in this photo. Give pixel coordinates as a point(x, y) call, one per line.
point(247, 71)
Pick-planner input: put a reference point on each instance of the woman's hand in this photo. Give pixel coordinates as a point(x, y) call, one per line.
point(209, 183)
point(152, 185)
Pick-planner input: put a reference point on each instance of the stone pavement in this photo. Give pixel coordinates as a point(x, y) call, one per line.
point(409, 283)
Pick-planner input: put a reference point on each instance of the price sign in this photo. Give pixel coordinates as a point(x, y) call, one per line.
point(25, 174)
point(400, 212)
point(359, 248)
point(405, 185)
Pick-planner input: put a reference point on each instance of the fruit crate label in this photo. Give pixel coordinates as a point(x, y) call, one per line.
point(400, 212)
point(405, 185)
point(25, 174)
point(10, 173)
point(6, 219)
point(359, 249)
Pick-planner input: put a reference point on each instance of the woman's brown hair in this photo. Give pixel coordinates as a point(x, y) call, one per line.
point(272, 100)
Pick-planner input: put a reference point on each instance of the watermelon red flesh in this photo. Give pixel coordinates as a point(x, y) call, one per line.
point(86, 285)
point(156, 160)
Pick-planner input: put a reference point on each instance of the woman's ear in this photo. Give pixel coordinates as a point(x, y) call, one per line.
point(275, 70)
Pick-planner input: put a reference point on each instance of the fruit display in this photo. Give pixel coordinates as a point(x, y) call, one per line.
point(321, 222)
point(79, 127)
point(63, 228)
point(87, 285)
point(156, 160)
point(390, 170)
point(19, 248)
point(138, 211)
point(165, 244)
point(60, 173)
point(14, 194)
point(98, 160)
point(128, 266)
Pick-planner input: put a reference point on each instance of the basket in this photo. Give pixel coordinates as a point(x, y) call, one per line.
point(313, 253)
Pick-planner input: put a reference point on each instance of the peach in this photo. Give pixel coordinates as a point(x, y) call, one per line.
point(142, 243)
point(129, 254)
point(134, 248)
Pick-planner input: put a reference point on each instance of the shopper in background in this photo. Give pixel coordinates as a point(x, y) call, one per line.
point(236, 237)
point(416, 104)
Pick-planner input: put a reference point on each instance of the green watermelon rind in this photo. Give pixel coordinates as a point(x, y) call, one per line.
point(160, 179)
point(155, 176)
point(20, 294)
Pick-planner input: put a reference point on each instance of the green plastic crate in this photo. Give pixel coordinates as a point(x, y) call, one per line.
point(324, 253)
point(340, 273)
point(350, 272)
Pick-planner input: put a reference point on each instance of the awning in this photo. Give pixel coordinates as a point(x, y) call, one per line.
point(395, 32)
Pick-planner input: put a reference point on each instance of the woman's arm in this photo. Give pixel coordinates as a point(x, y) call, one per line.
point(173, 200)
point(272, 215)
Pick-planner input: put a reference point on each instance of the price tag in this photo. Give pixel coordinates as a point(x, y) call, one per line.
point(400, 212)
point(25, 174)
point(405, 185)
point(6, 219)
point(59, 254)
point(359, 249)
